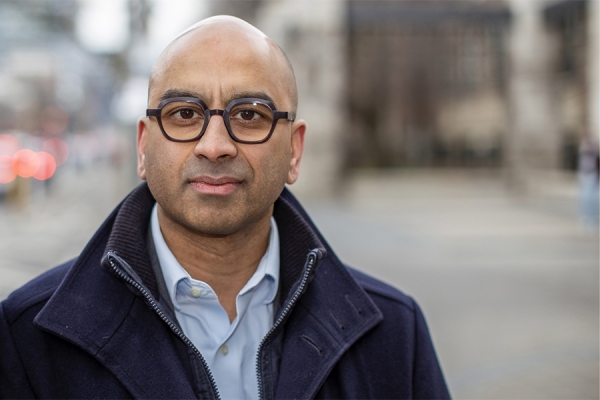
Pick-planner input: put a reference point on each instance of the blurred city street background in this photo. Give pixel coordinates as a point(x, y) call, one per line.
point(452, 150)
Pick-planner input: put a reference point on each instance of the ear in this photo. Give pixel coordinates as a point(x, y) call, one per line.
point(142, 133)
point(298, 130)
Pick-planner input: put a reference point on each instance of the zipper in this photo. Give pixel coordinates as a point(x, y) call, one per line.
point(312, 256)
point(112, 257)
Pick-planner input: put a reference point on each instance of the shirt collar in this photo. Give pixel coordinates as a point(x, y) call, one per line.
point(173, 272)
point(268, 266)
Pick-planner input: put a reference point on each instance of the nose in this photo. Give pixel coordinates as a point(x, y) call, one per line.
point(215, 144)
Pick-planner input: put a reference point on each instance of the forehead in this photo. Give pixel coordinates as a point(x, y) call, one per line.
point(219, 64)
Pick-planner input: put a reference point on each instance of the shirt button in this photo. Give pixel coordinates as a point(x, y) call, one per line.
point(195, 292)
point(224, 349)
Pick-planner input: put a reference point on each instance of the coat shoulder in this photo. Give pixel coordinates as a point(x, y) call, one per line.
point(397, 355)
point(382, 290)
point(36, 291)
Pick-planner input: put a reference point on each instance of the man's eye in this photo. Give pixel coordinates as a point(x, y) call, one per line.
point(248, 115)
point(186, 113)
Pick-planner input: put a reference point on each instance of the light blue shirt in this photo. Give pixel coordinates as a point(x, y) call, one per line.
point(230, 349)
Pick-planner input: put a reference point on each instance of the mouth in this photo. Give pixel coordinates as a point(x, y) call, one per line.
point(219, 186)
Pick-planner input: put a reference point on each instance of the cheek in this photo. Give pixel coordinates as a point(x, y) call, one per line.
point(161, 164)
point(274, 167)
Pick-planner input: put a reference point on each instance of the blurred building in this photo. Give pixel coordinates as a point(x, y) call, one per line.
point(427, 83)
point(551, 85)
point(42, 65)
point(467, 83)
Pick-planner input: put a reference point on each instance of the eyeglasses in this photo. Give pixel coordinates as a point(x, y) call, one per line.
point(184, 119)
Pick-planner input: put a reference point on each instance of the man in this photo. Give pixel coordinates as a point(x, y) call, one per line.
point(209, 280)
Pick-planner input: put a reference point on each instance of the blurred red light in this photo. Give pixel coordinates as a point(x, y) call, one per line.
point(58, 148)
point(26, 162)
point(47, 166)
point(7, 173)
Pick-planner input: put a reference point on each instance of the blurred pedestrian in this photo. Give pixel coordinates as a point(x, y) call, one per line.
point(588, 175)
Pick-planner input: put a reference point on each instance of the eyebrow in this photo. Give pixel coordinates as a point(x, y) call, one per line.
point(171, 93)
point(247, 95)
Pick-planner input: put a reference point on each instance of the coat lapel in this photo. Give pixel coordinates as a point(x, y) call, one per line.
point(330, 317)
point(97, 312)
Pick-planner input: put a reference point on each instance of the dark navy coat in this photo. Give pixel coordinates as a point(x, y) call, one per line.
point(96, 327)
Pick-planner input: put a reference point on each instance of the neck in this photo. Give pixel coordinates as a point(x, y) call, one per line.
point(226, 263)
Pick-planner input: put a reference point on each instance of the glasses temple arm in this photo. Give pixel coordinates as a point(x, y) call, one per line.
point(284, 115)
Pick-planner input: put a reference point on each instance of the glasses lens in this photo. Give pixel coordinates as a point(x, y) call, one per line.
point(251, 121)
point(182, 120)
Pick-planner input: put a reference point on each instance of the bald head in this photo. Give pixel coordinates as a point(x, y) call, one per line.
point(226, 40)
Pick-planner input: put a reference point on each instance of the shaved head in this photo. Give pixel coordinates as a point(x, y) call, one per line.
point(225, 30)
point(216, 184)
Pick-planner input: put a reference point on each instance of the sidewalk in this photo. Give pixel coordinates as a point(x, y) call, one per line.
point(509, 285)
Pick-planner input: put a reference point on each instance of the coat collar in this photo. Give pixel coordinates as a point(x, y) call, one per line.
point(95, 310)
point(333, 313)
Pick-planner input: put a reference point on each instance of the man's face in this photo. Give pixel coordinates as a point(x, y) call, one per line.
point(216, 186)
